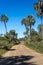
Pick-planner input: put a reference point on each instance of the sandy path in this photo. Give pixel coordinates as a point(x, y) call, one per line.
point(21, 55)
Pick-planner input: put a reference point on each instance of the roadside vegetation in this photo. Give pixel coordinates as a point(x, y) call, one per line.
point(7, 41)
point(9, 38)
point(33, 38)
point(37, 46)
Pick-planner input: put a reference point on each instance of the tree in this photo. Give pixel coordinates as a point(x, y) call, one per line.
point(24, 21)
point(33, 32)
point(39, 10)
point(4, 19)
point(28, 21)
point(31, 21)
point(26, 33)
point(13, 35)
point(40, 29)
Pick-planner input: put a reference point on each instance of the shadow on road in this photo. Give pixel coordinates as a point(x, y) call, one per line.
point(8, 49)
point(16, 60)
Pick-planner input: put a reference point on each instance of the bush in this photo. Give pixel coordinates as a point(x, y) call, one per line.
point(38, 46)
point(36, 38)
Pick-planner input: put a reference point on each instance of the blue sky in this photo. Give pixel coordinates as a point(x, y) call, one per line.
point(16, 10)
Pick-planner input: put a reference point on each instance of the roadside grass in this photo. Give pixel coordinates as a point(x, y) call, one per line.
point(4, 48)
point(2, 51)
point(6, 45)
point(37, 46)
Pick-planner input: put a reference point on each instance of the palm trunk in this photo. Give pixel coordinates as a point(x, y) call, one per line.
point(30, 33)
point(25, 26)
point(6, 31)
point(5, 26)
point(41, 26)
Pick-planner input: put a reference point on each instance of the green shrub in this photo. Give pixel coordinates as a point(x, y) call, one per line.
point(38, 46)
point(36, 38)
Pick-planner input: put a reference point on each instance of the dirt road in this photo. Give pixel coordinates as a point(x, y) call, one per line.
point(21, 55)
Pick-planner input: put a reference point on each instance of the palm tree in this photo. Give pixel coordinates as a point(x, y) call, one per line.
point(39, 10)
point(24, 21)
point(4, 19)
point(26, 33)
point(40, 27)
point(31, 22)
point(28, 21)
